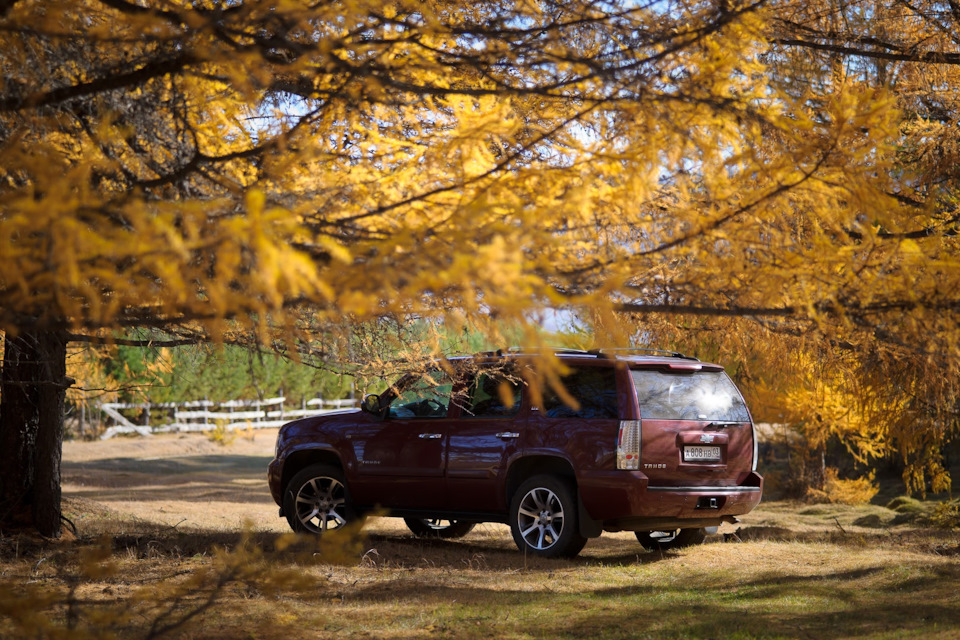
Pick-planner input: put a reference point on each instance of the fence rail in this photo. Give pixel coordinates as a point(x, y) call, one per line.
point(204, 415)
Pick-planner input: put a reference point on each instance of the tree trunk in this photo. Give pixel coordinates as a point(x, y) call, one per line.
point(33, 385)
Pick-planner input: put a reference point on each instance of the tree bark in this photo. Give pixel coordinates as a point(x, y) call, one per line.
point(33, 386)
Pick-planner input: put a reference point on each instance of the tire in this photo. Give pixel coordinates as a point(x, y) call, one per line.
point(665, 540)
point(438, 528)
point(543, 518)
point(317, 500)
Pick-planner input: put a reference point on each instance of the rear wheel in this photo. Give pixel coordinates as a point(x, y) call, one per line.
point(543, 518)
point(438, 528)
point(675, 539)
point(317, 500)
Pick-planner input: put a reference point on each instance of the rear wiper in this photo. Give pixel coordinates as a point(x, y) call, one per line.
point(724, 423)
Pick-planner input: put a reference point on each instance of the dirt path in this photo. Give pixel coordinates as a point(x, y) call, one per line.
point(184, 480)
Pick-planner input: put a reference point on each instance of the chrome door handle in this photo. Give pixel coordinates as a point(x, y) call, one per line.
point(431, 436)
point(508, 434)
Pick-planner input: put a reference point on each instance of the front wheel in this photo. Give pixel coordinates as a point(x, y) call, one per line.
point(317, 500)
point(675, 539)
point(436, 528)
point(543, 518)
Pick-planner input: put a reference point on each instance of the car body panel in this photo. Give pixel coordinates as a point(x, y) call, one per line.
point(400, 463)
point(662, 458)
point(479, 452)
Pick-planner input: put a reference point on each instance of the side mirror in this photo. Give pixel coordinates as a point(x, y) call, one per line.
point(371, 404)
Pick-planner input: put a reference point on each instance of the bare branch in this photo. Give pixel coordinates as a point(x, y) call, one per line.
point(935, 57)
point(128, 342)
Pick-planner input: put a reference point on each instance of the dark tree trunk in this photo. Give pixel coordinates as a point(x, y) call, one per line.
point(33, 385)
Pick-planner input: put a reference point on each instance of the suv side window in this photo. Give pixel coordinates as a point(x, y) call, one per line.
point(485, 397)
point(427, 397)
point(594, 388)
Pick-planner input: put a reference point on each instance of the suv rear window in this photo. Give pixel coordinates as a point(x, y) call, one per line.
point(594, 388)
point(704, 395)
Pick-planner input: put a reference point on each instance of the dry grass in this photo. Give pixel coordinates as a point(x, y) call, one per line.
point(789, 571)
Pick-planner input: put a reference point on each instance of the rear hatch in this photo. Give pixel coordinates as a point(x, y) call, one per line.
point(695, 427)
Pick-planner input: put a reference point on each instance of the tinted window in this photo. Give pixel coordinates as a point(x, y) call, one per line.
point(427, 397)
point(594, 389)
point(485, 398)
point(704, 395)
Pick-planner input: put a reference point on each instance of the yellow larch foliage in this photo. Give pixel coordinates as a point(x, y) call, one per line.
point(281, 169)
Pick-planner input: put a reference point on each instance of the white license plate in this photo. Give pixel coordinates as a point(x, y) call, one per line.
point(700, 453)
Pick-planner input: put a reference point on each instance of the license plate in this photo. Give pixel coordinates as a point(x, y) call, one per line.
point(700, 453)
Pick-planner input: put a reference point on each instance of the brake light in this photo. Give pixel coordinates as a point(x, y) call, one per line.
point(628, 445)
point(756, 445)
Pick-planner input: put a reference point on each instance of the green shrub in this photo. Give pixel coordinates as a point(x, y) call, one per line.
point(946, 515)
point(906, 504)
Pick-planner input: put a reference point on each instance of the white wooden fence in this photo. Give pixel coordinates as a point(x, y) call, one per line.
point(204, 415)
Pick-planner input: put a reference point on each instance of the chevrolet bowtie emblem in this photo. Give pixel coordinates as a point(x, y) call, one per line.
point(706, 437)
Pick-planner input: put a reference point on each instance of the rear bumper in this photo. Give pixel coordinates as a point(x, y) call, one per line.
point(623, 500)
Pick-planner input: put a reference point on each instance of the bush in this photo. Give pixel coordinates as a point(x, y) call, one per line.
point(221, 434)
point(946, 515)
point(905, 504)
point(839, 491)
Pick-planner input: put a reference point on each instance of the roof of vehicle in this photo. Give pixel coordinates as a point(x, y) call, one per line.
point(635, 358)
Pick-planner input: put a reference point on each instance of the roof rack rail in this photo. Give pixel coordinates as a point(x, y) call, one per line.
point(605, 353)
point(559, 351)
point(672, 354)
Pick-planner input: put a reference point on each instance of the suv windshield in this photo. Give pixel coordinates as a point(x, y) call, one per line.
point(704, 395)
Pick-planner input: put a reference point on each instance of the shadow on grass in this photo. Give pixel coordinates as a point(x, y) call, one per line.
point(833, 605)
point(493, 553)
point(148, 540)
point(886, 619)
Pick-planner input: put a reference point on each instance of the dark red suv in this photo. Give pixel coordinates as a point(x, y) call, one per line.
point(662, 445)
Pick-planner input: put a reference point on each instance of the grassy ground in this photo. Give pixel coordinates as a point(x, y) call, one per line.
point(160, 554)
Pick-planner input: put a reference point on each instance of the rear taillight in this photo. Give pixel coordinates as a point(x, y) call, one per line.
point(628, 445)
point(756, 447)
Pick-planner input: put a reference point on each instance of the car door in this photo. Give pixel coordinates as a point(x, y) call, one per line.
point(488, 433)
point(400, 460)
